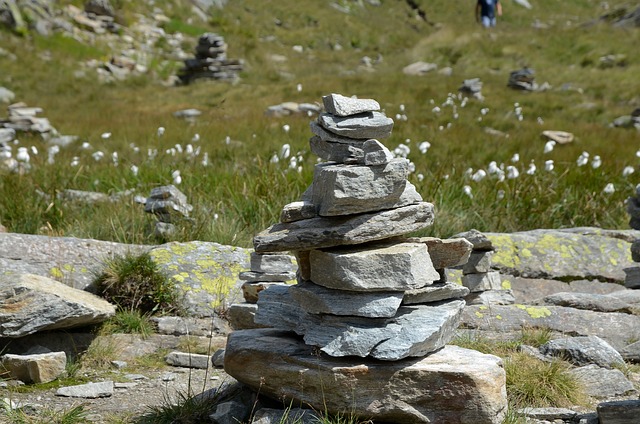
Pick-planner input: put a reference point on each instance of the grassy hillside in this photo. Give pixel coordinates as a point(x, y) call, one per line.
point(240, 186)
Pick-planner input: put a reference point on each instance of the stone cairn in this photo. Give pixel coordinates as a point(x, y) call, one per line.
point(266, 270)
point(484, 284)
point(472, 87)
point(632, 274)
point(168, 204)
point(365, 328)
point(211, 61)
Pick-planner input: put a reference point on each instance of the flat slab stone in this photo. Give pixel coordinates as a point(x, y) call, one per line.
point(619, 412)
point(242, 316)
point(491, 297)
point(434, 293)
point(251, 291)
point(482, 281)
point(325, 135)
point(337, 152)
point(479, 261)
point(364, 125)
point(583, 350)
point(87, 391)
point(446, 253)
point(321, 232)
point(589, 301)
point(271, 263)
point(339, 105)
point(352, 189)
point(296, 211)
point(254, 277)
point(453, 385)
point(603, 383)
point(395, 267)
point(316, 299)
point(188, 360)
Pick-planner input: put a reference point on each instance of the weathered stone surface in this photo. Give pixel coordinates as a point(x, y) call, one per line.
point(242, 316)
point(304, 265)
point(548, 413)
point(631, 297)
point(353, 189)
point(419, 68)
point(31, 303)
point(182, 326)
point(254, 277)
point(217, 359)
point(297, 211)
point(395, 267)
point(482, 282)
point(339, 105)
point(321, 232)
point(491, 297)
point(289, 416)
point(603, 383)
point(251, 291)
point(364, 125)
point(529, 290)
point(446, 253)
point(615, 328)
point(479, 261)
point(408, 391)
point(479, 240)
point(587, 253)
point(434, 293)
point(271, 263)
point(375, 153)
point(631, 352)
point(583, 350)
point(167, 202)
point(619, 412)
point(635, 250)
point(334, 138)
point(337, 152)
point(37, 368)
point(592, 302)
point(72, 261)
point(278, 309)
point(230, 412)
point(316, 299)
point(188, 360)
point(88, 391)
point(206, 273)
point(632, 277)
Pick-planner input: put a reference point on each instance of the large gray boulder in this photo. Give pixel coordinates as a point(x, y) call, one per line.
point(70, 260)
point(407, 391)
point(31, 303)
point(576, 253)
point(35, 368)
point(583, 350)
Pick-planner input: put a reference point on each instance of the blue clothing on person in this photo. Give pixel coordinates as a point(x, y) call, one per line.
point(487, 9)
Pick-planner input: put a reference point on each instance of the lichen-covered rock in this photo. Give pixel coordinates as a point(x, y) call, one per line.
point(577, 253)
point(206, 273)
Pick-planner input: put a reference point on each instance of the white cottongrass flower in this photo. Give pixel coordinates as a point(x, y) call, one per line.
point(274, 159)
point(189, 150)
point(6, 154)
point(549, 145)
point(515, 157)
point(500, 194)
point(286, 128)
point(98, 155)
point(420, 177)
point(512, 172)
point(436, 110)
point(532, 168)
point(105, 135)
point(548, 165)
point(609, 189)
point(134, 170)
point(441, 127)
point(205, 159)
point(34, 150)
point(479, 175)
point(23, 155)
point(160, 131)
point(227, 140)
point(402, 151)
point(152, 153)
point(178, 148)
point(484, 111)
point(402, 108)
point(638, 154)
point(75, 161)
point(114, 158)
point(53, 150)
point(628, 170)
point(171, 151)
point(195, 138)
point(285, 151)
point(177, 178)
point(468, 173)
point(596, 162)
point(583, 159)
point(424, 147)
point(412, 167)
point(493, 167)
point(299, 87)
point(293, 162)
point(540, 120)
point(467, 190)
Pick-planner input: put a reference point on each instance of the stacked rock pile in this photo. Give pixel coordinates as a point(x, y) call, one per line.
point(266, 270)
point(168, 204)
point(211, 61)
point(363, 291)
point(484, 284)
point(472, 87)
point(632, 274)
point(23, 118)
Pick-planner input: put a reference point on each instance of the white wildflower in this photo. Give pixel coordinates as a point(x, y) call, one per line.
point(75, 161)
point(34, 150)
point(467, 190)
point(549, 145)
point(134, 170)
point(583, 159)
point(23, 155)
point(114, 158)
point(500, 194)
point(512, 172)
point(195, 138)
point(274, 159)
point(286, 128)
point(98, 155)
point(515, 157)
point(628, 170)
point(493, 167)
point(596, 162)
point(479, 175)
point(105, 135)
point(424, 147)
point(548, 165)
point(609, 189)
point(177, 178)
point(285, 151)
point(532, 168)
point(160, 131)
point(420, 177)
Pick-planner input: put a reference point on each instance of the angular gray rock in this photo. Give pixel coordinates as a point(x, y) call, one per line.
point(408, 391)
point(364, 125)
point(87, 391)
point(328, 136)
point(347, 190)
point(271, 263)
point(491, 297)
point(252, 277)
point(276, 308)
point(446, 253)
point(479, 240)
point(242, 316)
point(434, 293)
point(316, 299)
point(36, 368)
point(31, 303)
point(619, 412)
point(479, 262)
point(548, 413)
point(603, 383)
point(631, 352)
point(321, 232)
point(337, 152)
point(632, 277)
point(385, 267)
point(583, 350)
point(251, 291)
point(339, 105)
point(375, 153)
point(297, 211)
point(188, 360)
point(167, 203)
point(482, 282)
point(589, 301)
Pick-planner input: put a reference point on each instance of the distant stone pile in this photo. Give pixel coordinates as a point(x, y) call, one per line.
point(211, 61)
point(632, 274)
point(23, 118)
point(364, 292)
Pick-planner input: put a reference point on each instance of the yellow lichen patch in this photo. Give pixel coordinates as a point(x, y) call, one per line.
point(526, 253)
point(535, 311)
point(506, 253)
point(498, 316)
point(483, 307)
point(68, 267)
point(160, 256)
point(479, 314)
point(506, 285)
point(56, 272)
point(180, 277)
point(552, 244)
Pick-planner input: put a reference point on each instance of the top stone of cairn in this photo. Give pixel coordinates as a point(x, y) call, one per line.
point(339, 105)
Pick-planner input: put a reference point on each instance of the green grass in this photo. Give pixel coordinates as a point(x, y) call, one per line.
point(74, 415)
point(246, 192)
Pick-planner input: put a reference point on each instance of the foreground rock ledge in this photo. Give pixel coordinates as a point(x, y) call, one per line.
point(454, 385)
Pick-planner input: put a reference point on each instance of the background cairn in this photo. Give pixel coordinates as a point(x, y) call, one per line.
point(370, 307)
point(211, 61)
point(632, 274)
point(169, 205)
